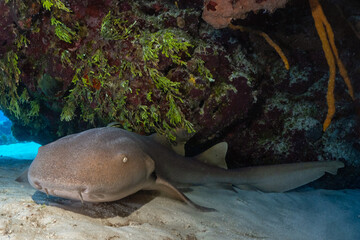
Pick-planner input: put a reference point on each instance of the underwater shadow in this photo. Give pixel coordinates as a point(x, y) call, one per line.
point(122, 208)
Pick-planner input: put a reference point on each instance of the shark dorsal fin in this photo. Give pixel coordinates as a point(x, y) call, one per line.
point(215, 155)
point(159, 139)
point(181, 135)
point(178, 148)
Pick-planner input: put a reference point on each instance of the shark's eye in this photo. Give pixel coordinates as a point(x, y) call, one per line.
point(125, 159)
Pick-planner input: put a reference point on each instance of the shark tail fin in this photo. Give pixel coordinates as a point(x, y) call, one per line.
point(215, 155)
point(284, 177)
point(333, 167)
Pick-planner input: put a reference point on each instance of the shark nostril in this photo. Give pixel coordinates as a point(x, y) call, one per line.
point(37, 185)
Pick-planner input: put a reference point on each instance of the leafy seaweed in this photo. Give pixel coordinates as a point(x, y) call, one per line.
point(63, 32)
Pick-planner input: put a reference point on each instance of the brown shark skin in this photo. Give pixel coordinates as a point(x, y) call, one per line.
point(107, 164)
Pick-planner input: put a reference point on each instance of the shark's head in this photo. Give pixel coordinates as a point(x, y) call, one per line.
point(98, 165)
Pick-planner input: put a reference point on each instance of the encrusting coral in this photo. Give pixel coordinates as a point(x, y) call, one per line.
point(328, 43)
point(219, 13)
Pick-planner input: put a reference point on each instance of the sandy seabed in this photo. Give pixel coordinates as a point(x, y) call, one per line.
point(305, 214)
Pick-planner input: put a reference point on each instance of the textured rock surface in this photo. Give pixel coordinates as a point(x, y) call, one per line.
point(266, 114)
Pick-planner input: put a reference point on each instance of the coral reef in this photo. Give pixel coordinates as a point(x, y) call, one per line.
point(94, 63)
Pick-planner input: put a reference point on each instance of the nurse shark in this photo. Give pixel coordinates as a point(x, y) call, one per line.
point(107, 164)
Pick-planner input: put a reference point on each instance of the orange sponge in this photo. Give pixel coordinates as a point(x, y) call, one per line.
point(331, 54)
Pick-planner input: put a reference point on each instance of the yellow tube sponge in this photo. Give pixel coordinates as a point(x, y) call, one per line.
point(331, 54)
point(268, 40)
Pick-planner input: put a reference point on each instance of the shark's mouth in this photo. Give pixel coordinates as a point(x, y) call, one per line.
point(75, 193)
point(81, 192)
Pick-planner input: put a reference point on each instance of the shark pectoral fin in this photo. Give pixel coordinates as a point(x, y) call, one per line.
point(164, 186)
point(215, 155)
point(23, 178)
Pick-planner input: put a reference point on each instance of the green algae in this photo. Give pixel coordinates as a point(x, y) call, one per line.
point(13, 98)
point(48, 4)
point(127, 86)
point(94, 75)
point(62, 31)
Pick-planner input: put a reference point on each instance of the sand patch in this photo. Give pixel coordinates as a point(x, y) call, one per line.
point(307, 214)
